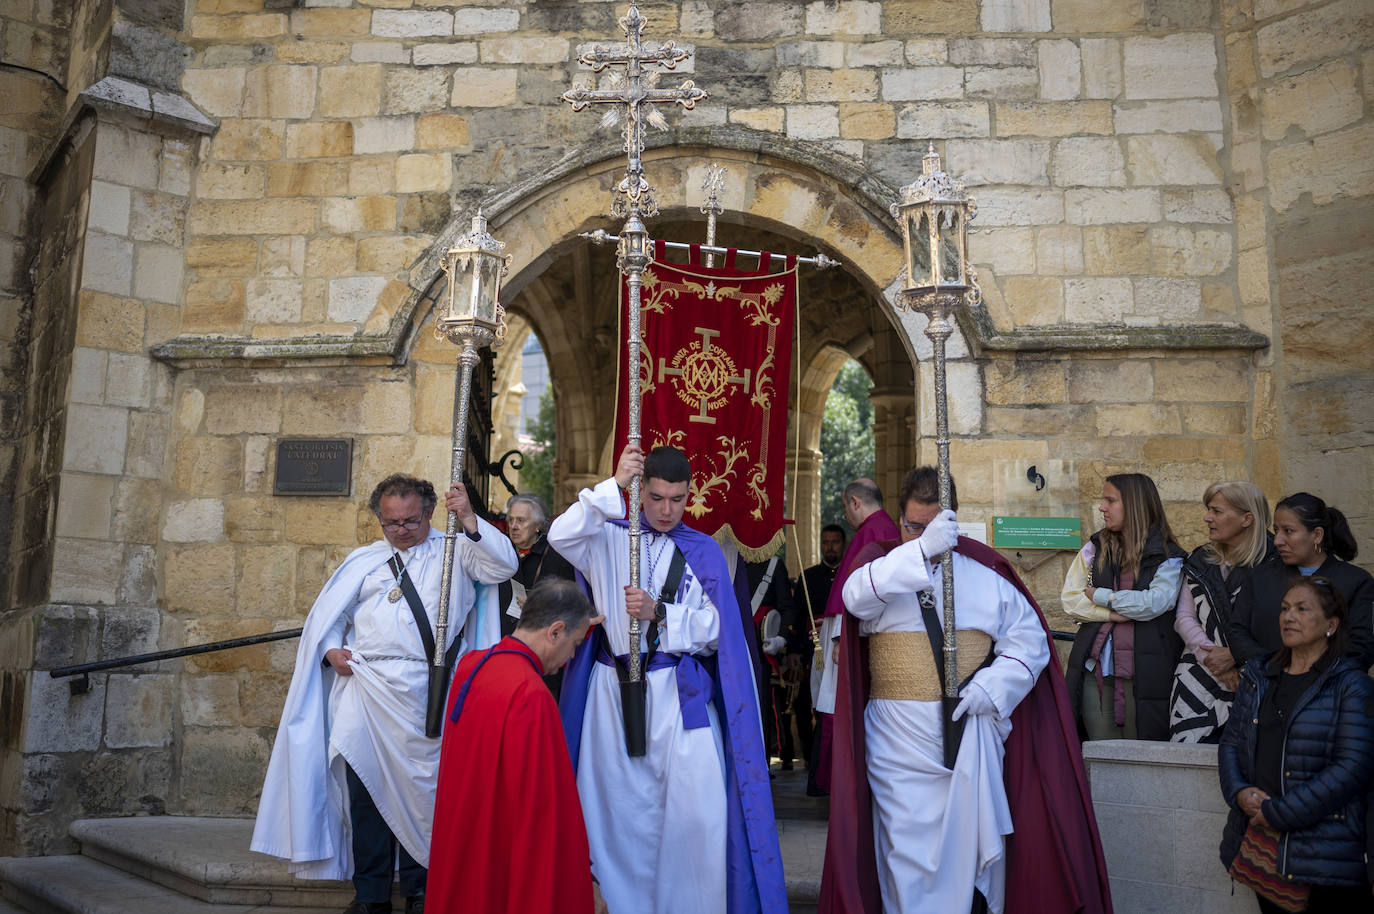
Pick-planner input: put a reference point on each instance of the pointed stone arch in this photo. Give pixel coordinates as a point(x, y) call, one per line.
point(789, 196)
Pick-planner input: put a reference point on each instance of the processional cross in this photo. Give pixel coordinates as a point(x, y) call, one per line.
point(633, 94)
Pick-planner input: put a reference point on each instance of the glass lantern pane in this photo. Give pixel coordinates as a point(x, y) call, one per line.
point(484, 305)
point(951, 272)
point(920, 248)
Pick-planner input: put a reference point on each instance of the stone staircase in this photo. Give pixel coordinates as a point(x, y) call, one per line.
point(190, 865)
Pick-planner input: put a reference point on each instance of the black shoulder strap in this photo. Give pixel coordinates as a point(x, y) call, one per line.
point(417, 609)
point(934, 632)
point(668, 592)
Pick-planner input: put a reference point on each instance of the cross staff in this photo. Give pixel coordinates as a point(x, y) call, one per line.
point(632, 96)
point(633, 90)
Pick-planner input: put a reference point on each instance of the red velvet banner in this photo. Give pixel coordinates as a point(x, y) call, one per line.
point(715, 372)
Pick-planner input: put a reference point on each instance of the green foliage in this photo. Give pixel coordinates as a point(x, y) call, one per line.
point(846, 438)
point(536, 478)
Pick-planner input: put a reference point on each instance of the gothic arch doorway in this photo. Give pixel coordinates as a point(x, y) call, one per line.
point(563, 288)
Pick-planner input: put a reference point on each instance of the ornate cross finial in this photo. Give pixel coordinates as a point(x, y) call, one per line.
point(715, 180)
point(628, 93)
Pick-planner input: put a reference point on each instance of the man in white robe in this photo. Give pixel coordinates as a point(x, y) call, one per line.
point(939, 834)
point(658, 824)
point(352, 778)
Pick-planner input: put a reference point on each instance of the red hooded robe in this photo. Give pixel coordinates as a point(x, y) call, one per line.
point(508, 828)
point(1054, 858)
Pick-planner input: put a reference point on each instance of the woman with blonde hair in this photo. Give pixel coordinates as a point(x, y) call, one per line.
point(1237, 520)
point(1122, 588)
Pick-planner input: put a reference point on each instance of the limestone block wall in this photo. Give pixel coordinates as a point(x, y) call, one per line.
point(1299, 92)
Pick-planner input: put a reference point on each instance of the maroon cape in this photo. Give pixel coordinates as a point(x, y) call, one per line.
point(1054, 858)
point(508, 829)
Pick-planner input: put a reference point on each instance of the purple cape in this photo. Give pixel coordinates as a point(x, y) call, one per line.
point(754, 878)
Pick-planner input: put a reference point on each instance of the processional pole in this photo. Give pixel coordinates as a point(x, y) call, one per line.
point(628, 93)
point(472, 317)
point(933, 214)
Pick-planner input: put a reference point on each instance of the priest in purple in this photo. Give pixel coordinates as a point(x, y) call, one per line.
point(863, 510)
point(688, 828)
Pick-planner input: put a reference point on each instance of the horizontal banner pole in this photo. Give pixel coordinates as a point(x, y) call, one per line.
point(820, 261)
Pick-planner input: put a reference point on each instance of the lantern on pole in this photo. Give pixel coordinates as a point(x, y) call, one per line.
point(470, 317)
point(933, 215)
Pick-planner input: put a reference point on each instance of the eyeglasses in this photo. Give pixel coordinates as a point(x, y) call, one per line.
point(913, 528)
point(403, 525)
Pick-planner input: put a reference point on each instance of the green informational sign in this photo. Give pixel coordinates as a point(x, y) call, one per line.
point(1037, 532)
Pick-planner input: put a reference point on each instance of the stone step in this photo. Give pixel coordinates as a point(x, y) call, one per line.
point(205, 858)
point(79, 885)
point(199, 865)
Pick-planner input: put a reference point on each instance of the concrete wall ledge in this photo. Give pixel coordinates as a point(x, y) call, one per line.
point(1160, 812)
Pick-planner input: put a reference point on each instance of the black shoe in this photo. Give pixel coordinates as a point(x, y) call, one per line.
point(415, 904)
point(367, 907)
point(787, 765)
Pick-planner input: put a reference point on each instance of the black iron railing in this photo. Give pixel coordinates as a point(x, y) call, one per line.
point(84, 670)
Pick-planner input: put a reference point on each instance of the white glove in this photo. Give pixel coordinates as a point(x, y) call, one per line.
point(975, 701)
point(774, 645)
point(940, 535)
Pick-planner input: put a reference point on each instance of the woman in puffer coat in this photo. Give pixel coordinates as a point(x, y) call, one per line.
point(1298, 752)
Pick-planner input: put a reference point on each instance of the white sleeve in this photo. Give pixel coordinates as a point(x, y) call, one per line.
point(1072, 599)
point(1022, 652)
point(490, 559)
point(692, 625)
point(1160, 597)
point(869, 588)
point(575, 533)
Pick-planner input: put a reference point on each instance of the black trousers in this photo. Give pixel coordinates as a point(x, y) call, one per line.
point(375, 848)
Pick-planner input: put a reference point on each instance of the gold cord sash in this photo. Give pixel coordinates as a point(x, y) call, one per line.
point(902, 667)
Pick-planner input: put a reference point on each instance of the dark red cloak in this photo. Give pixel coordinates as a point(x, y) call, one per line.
point(1054, 858)
point(508, 828)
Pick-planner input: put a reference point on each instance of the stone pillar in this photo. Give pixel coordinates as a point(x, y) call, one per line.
point(894, 438)
point(89, 503)
point(803, 543)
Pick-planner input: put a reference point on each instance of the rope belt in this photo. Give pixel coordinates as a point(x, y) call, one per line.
point(902, 667)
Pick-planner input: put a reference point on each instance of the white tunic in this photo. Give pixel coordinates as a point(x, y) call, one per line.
point(657, 824)
point(939, 833)
point(374, 719)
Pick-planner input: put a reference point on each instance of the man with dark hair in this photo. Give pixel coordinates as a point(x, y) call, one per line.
point(863, 510)
point(907, 833)
point(666, 835)
point(508, 828)
point(811, 594)
point(353, 728)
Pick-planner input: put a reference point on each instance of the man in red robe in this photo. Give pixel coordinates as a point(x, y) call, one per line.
point(863, 510)
point(508, 829)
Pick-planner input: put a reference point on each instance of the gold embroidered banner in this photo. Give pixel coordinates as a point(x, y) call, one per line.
point(715, 372)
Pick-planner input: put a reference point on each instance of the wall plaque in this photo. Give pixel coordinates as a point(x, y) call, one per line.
point(314, 466)
point(1037, 532)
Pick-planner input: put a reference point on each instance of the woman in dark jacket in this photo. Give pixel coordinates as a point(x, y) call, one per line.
point(1311, 538)
point(1122, 587)
point(1298, 751)
point(1237, 520)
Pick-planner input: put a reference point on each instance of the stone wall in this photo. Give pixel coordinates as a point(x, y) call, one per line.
point(1164, 187)
point(1160, 814)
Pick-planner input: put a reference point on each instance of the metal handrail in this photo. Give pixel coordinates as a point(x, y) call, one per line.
point(84, 669)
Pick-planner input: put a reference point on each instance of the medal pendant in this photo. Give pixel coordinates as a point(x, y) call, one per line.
point(394, 595)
